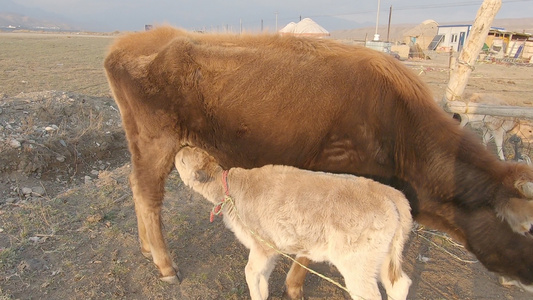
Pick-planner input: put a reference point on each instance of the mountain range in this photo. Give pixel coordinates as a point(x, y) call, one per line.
point(33, 18)
point(15, 16)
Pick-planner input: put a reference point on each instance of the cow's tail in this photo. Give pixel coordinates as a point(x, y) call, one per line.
point(400, 236)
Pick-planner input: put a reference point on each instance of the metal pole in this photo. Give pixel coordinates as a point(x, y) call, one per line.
point(376, 35)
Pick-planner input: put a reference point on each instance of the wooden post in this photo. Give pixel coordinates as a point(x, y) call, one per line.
point(451, 64)
point(464, 64)
point(488, 109)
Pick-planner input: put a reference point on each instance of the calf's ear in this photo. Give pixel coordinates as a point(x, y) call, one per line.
point(202, 176)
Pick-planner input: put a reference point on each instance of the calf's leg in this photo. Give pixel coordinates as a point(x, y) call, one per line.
point(498, 140)
point(295, 279)
point(257, 272)
point(359, 272)
point(400, 288)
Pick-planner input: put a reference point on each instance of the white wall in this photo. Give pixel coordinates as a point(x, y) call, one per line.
point(452, 36)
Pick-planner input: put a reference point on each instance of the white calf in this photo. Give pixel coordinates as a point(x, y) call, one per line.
point(311, 214)
point(494, 126)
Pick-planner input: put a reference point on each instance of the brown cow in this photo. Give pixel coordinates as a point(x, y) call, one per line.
point(318, 105)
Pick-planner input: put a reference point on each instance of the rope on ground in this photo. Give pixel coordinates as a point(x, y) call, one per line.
point(442, 248)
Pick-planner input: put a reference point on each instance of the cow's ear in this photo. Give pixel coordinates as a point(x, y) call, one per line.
point(526, 188)
point(202, 176)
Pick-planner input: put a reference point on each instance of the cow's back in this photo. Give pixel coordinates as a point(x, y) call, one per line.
point(247, 99)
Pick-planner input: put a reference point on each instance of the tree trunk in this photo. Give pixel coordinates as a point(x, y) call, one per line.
point(464, 64)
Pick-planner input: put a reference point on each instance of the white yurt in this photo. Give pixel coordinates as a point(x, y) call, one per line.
point(306, 27)
point(288, 29)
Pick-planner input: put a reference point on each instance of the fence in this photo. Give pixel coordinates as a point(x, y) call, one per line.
point(513, 136)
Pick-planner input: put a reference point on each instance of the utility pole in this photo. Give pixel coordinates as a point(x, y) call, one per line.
point(388, 27)
point(276, 21)
point(464, 65)
point(376, 35)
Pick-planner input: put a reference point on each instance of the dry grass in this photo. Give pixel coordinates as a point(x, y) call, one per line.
point(33, 63)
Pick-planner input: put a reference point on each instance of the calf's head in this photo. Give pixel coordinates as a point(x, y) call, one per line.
point(195, 166)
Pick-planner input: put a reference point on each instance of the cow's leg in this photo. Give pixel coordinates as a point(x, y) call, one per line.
point(295, 279)
point(152, 163)
point(143, 238)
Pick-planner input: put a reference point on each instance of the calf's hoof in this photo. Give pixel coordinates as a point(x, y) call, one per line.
point(506, 281)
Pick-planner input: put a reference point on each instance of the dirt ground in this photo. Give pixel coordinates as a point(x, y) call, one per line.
point(67, 221)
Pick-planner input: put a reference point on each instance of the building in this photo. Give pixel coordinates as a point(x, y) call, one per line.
point(499, 42)
point(450, 37)
point(514, 45)
point(422, 34)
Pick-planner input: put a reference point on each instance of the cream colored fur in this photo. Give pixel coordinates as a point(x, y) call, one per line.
point(494, 126)
point(356, 224)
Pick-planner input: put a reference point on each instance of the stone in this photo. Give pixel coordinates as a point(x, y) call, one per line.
point(15, 144)
point(11, 200)
point(26, 191)
point(38, 191)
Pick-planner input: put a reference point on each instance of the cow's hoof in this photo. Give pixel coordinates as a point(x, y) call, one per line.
point(174, 279)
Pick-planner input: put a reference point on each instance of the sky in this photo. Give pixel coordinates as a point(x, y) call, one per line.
point(252, 15)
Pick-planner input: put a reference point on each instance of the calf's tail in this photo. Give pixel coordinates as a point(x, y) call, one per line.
point(400, 236)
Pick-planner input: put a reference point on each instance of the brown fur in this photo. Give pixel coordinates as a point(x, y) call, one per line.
point(312, 104)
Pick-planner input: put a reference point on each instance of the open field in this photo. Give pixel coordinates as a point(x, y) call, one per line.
point(67, 221)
